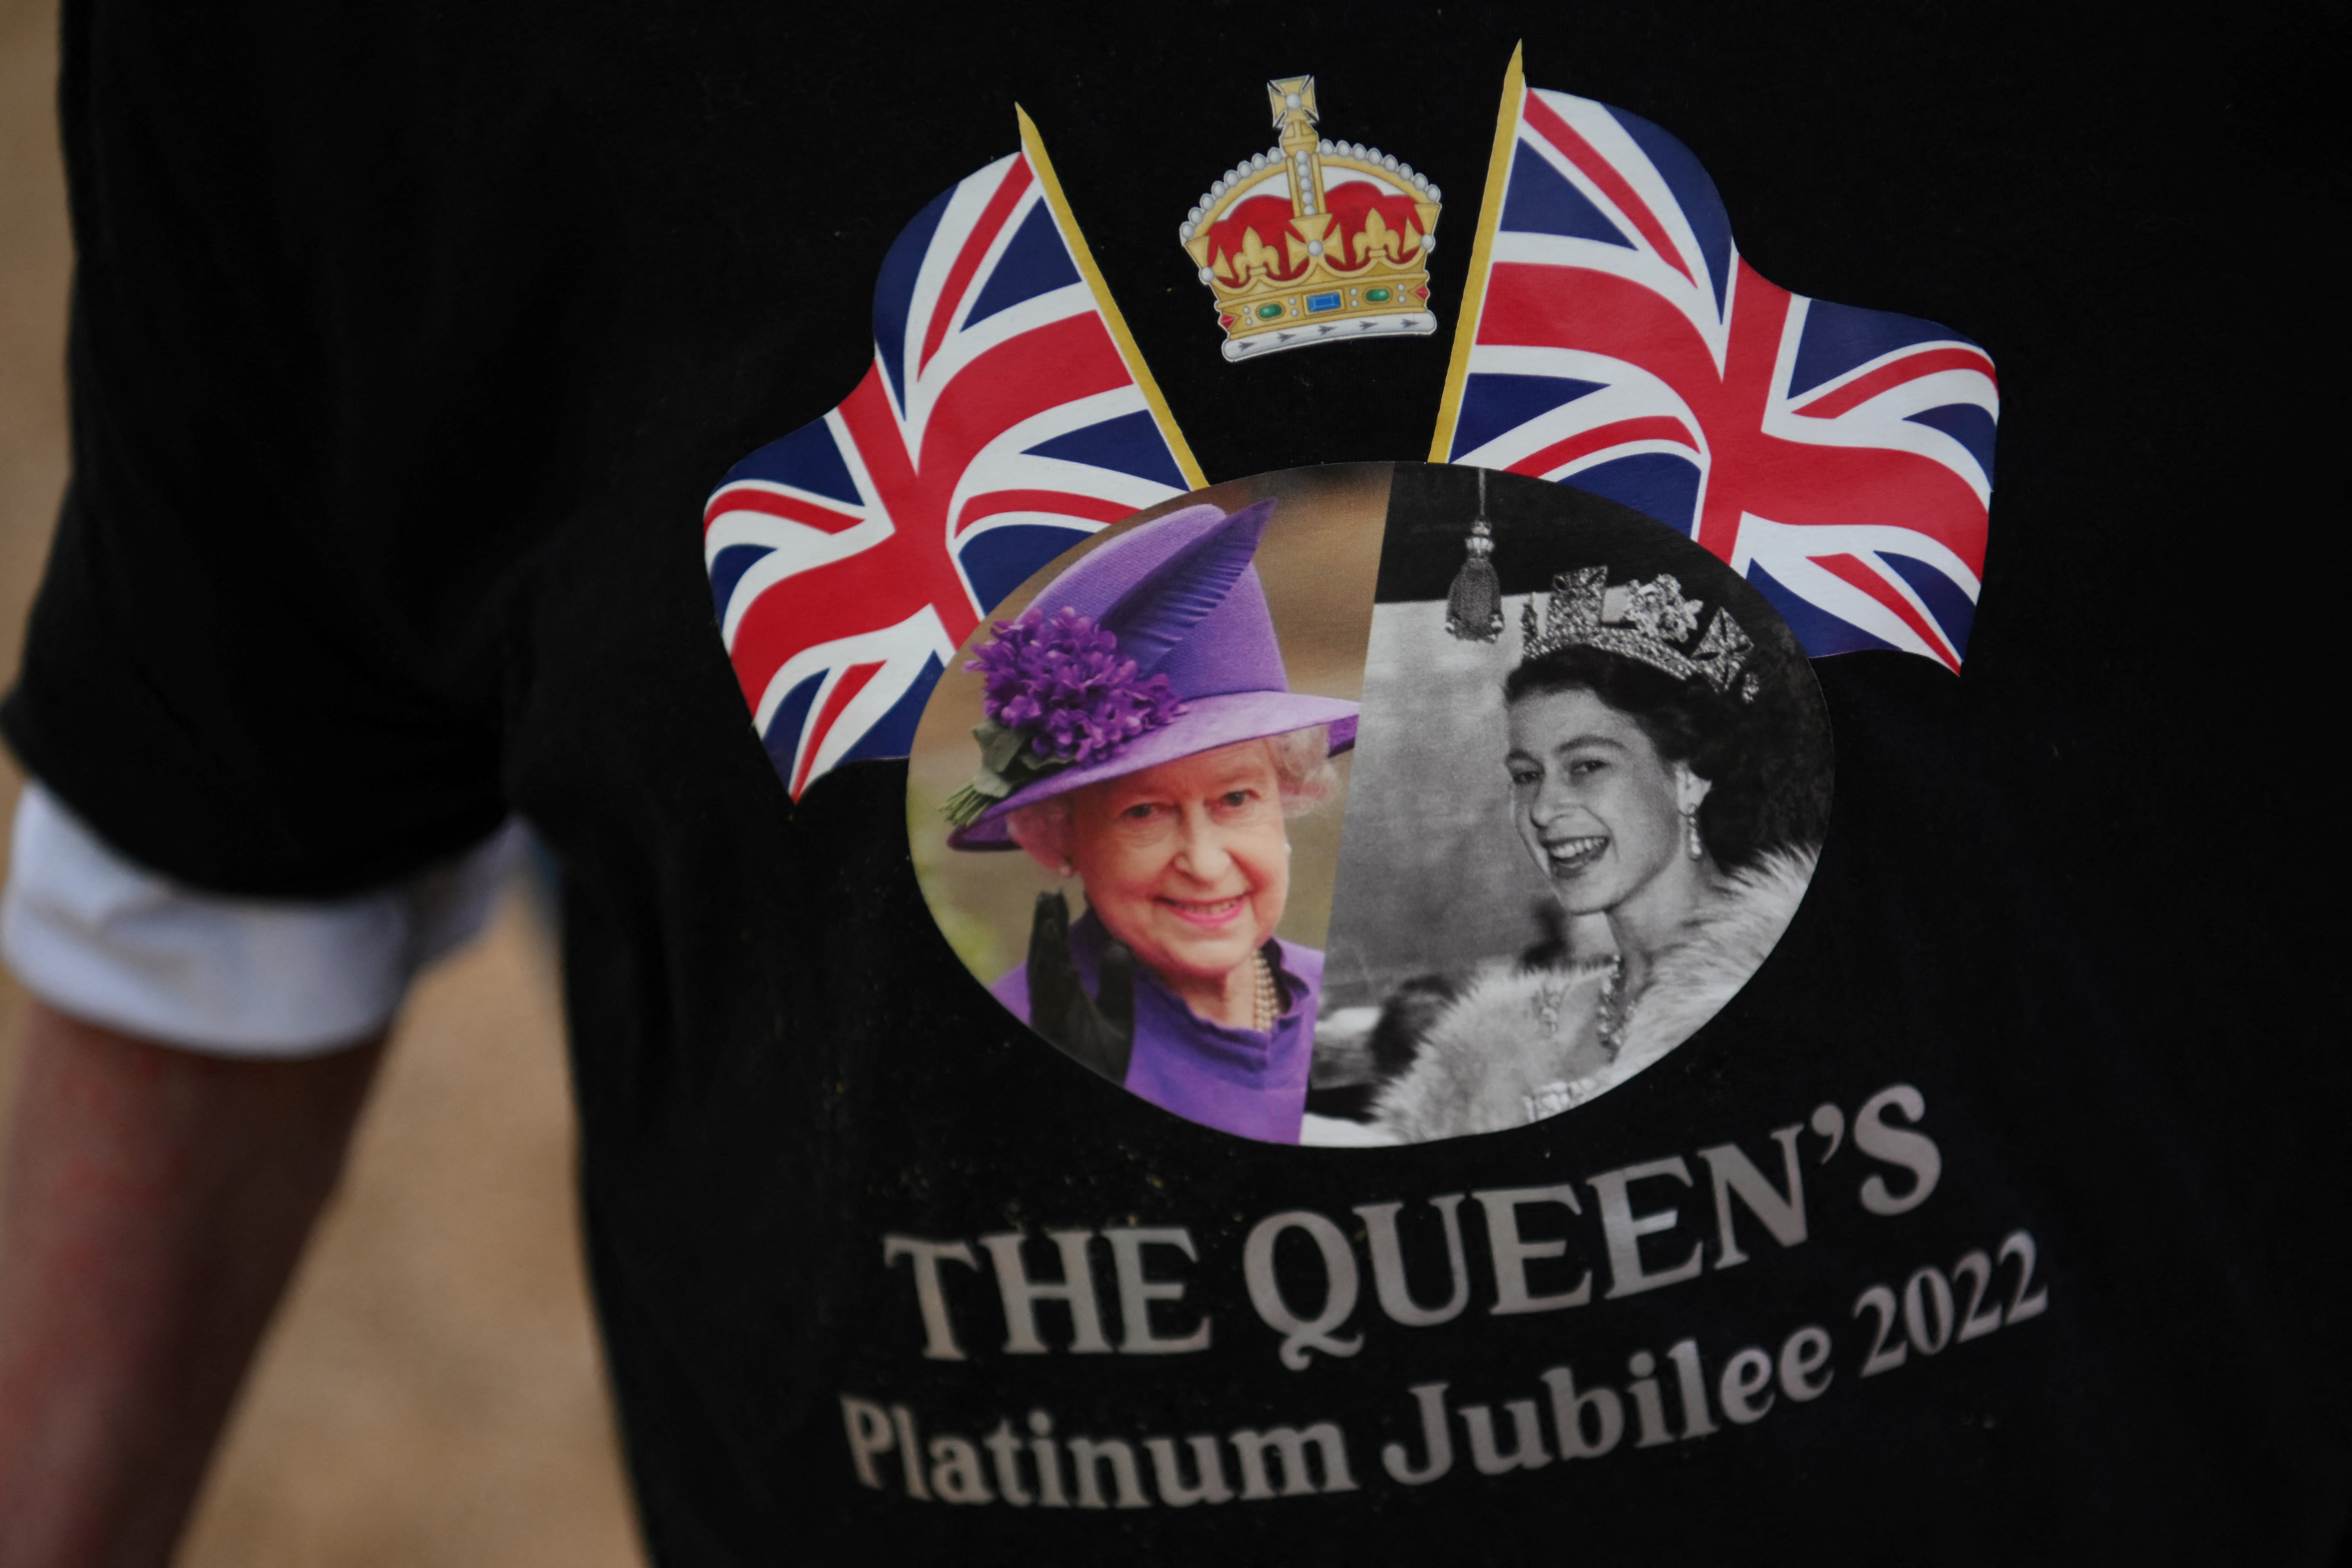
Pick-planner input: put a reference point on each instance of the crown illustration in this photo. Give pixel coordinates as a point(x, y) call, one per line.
point(1649, 621)
point(1313, 240)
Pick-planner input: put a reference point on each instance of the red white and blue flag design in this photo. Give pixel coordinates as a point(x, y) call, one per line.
point(1841, 459)
point(1006, 416)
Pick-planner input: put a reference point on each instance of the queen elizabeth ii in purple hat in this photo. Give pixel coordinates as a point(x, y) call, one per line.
point(1142, 735)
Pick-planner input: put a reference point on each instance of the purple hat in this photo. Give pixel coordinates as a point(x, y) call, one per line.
point(1156, 647)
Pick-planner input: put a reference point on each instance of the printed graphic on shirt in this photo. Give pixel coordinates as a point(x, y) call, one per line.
point(1841, 459)
point(1564, 848)
point(1152, 738)
point(1314, 242)
point(1593, 772)
point(1007, 414)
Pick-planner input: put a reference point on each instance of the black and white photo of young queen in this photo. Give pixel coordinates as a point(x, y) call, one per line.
point(1593, 777)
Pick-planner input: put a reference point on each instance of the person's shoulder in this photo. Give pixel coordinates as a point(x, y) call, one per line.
point(1488, 1060)
point(1774, 885)
point(1011, 988)
point(1738, 926)
point(1307, 963)
point(1719, 949)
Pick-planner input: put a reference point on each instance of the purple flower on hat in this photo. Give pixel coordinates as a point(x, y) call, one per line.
point(1161, 647)
point(1060, 682)
point(1055, 693)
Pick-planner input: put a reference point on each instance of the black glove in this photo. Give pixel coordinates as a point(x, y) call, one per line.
point(1097, 1030)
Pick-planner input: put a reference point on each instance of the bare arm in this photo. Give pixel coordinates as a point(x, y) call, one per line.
point(156, 1202)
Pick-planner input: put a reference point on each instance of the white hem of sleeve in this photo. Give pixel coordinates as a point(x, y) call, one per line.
point(95, 934)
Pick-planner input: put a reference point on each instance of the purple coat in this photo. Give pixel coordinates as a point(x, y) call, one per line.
point(1237, 1080)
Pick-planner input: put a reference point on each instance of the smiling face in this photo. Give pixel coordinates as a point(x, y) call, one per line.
point(1597, 807)
point(1187, 863)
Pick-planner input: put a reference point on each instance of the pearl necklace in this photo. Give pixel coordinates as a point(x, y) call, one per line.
point(1269, 997)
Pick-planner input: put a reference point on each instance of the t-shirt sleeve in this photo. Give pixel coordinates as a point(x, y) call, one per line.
point(98, 935)
point(313, 413)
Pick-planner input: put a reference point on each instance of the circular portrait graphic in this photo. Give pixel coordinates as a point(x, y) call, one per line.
point(1372, 803)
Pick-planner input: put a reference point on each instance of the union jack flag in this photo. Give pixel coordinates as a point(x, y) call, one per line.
point(1006, 416)
point(1840, 460)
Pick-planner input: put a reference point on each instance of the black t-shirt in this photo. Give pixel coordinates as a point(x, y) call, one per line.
point(405, 348)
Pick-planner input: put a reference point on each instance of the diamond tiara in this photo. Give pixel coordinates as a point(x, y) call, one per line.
point(1649, 621)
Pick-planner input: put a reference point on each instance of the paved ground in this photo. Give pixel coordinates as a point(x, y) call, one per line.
point(431, 1394)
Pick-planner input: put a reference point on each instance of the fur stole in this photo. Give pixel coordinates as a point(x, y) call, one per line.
point(1519, 1046)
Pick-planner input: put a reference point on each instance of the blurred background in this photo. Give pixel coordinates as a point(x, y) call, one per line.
point(431, 1393)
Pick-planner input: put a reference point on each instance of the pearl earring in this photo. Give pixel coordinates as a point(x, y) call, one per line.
point(1695, 844)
